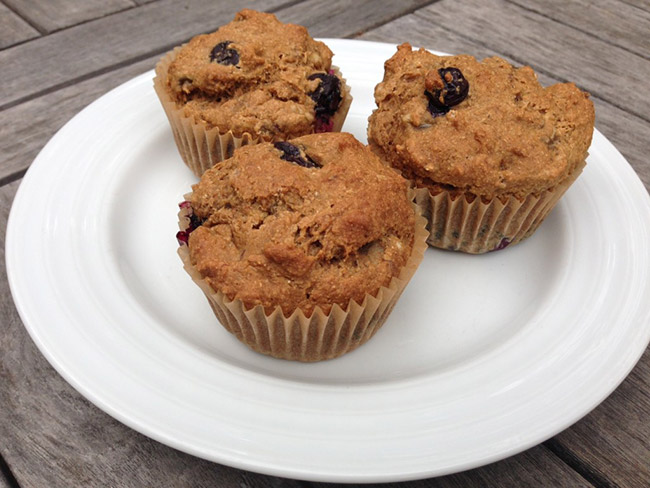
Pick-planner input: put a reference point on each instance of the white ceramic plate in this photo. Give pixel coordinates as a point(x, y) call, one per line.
point(483, 357)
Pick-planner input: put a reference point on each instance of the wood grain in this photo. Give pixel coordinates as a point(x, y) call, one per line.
point(341, 18)
point(107, 43)
point(53, 15)
point(52, 437)
point(613, 440)
point(13, 29)
point(613, 21)
point(25, 128)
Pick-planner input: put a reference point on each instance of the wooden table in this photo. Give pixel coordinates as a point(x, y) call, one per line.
point(57, 56)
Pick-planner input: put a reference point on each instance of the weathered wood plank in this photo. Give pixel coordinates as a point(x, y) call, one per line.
point(633, 142)
point(342, 18)
point(613, 21)
point(57, 14)
point(535, 467)
point(25, 128)
point(6, 477)
point(568, 54)
point(640, 4)
point(13, 29)
point(103, 44)
point(51, 436)
point(613, 440)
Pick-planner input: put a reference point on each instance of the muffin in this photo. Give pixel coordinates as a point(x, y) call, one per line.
point(254, 79)
point(489, 149)
point(302, 247)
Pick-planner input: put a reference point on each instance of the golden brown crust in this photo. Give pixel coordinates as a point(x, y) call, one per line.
point(276, 233)
point(266, 93)
point(510, 136)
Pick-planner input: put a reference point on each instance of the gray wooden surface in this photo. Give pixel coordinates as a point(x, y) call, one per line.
point(58, 56)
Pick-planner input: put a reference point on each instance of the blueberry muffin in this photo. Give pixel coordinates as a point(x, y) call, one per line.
point(254, 79)
point(488, 148)
point(302, 247)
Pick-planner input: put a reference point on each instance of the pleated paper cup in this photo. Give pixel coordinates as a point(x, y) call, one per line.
point(303, 337)
point(202, 147)
point(460, 222)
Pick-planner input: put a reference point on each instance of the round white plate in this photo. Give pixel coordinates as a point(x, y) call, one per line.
point(483, 357)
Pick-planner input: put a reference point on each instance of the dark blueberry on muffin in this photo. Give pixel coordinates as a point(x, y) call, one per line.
point(223, 54)
point(327, 97)
point(293, 154)
point(450, 89)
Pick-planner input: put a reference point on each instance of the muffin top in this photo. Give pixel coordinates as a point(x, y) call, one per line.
point(256, 75)
point(486, 127)
point(311, 222)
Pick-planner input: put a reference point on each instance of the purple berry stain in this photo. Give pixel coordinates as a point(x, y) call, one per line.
point(225, 55)
point(323, 125)
point(503, 244)
point(454, 90)
point(293, 154)
point(183, 236)
point(327, 99)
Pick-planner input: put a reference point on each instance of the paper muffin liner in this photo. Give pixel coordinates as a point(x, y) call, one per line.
point(201, 147)
point(476, 226)
point(308, 338)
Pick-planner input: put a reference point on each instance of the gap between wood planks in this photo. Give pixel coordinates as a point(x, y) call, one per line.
point(42, 31)
point(527, 7)
point(577, 465)
point(389, 19)
point(5, 471)
point(13, 177)
point(112, 67)
point(165, 48)
point(423, 14)
point(87, 76)
point(45, 31)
